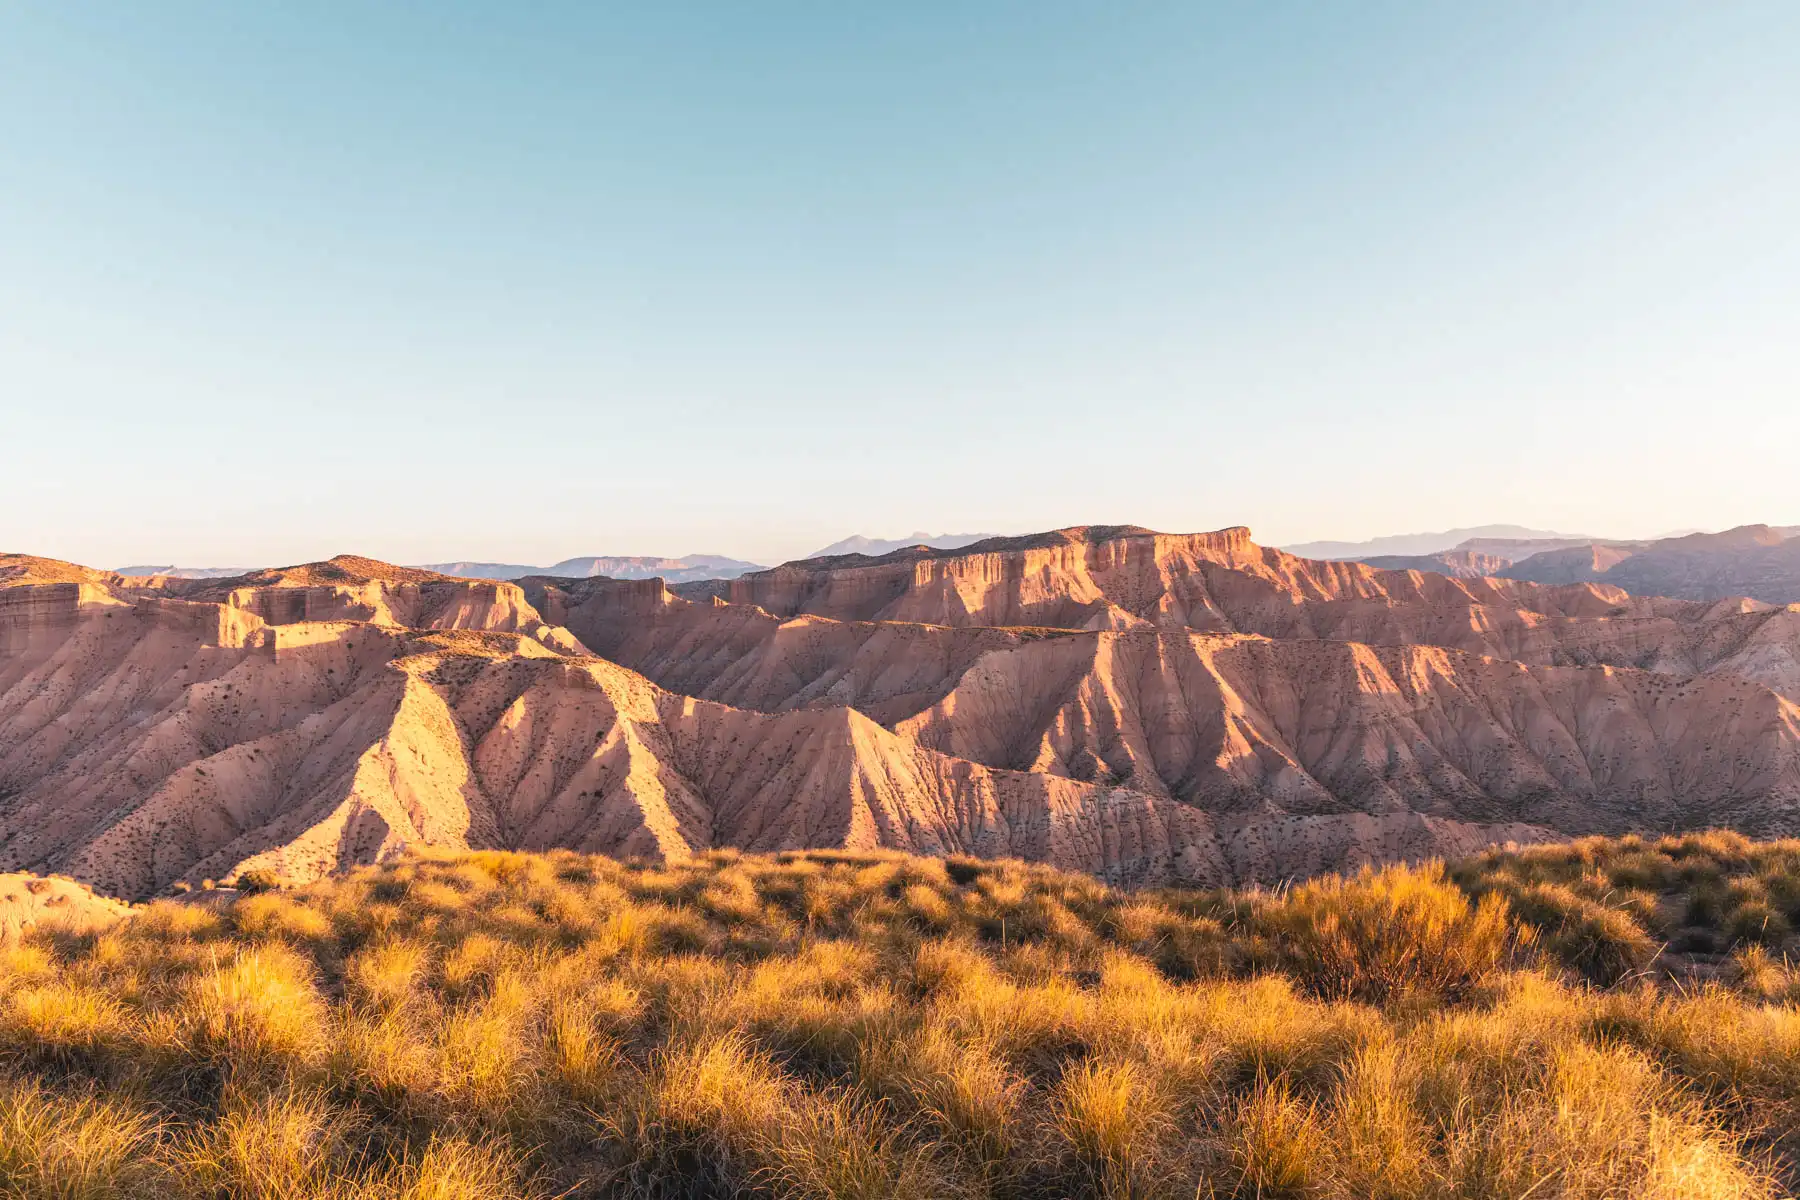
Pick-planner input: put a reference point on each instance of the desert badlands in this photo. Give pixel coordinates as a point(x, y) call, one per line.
point(1149, 708)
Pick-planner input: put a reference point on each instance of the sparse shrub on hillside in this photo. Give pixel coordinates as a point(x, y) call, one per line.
point(1400, 931)
point(258, 880)
point(1602, 944)
point(841, 1025)
point(1700, 893)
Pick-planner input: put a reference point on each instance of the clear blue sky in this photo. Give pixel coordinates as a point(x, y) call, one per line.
point(521, 282)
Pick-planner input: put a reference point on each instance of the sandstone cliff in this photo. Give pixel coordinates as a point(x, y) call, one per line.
point(142, 749)
point(1124, 577)
point(746, 655)
point(1147, 707)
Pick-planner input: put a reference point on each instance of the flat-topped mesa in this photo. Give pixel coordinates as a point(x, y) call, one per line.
point(1458, 564)
point(1120, 577)
point(1235, 537)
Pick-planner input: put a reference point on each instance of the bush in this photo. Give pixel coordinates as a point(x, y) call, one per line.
point(1757, 921)
point(257, 880)
point(1380, 935)
point(1603, 945)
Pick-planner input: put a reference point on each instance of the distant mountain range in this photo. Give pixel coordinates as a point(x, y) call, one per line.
point(686, 569)
point(186, 572)
point(1430, 543)
point(1155, 708)
point(875, 547)
point(1758, 561)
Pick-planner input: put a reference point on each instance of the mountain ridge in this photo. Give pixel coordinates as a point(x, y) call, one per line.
point(1146, 707)
point(1424, 543)
point(856, 543)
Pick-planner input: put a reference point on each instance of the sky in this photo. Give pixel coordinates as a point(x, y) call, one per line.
point(524, 282)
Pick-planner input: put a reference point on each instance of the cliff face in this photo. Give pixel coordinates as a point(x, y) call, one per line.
point(746, 655)
point(742, 655)
point(1240, 724)
point(141, 751)
point(1147, 707)
point(1212, 582)
point(450, 604)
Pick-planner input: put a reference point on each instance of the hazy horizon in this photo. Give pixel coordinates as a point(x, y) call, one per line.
point(503, 560)
point(515, 285)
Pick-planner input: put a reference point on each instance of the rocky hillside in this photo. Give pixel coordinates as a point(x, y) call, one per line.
point(1759, 561)
point(1143, 707)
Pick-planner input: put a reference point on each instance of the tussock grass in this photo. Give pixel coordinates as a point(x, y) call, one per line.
point(868, 1025)
point(1383, 935)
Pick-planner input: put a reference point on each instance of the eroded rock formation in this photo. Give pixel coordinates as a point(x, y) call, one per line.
point(1147, 707)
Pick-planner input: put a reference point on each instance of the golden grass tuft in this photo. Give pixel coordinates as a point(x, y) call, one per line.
point(849, 1024)
point(255, 1006)
point(74, 1146)
point(1279, 1148)
point(1389, 933)
point(1112, 1120)
point(266, 1147)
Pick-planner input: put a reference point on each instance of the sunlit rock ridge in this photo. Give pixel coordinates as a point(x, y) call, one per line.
point(1147, 707)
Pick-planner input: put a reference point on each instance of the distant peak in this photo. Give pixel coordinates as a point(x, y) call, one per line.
point(856, 543)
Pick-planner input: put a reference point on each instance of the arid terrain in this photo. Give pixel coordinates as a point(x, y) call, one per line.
point(370, 882)
point(1148, 708)
point(1761, 562)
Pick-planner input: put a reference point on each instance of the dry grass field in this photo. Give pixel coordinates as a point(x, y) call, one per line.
point(1599, 1019)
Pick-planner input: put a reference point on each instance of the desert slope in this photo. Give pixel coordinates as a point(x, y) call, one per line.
point(1121, 577)
point(26, 900)
point(1240, 723)
point(148, 740)
point(1141, 706)
point(743, 654)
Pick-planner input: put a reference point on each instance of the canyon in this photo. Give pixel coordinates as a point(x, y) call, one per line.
point(1145, 707)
